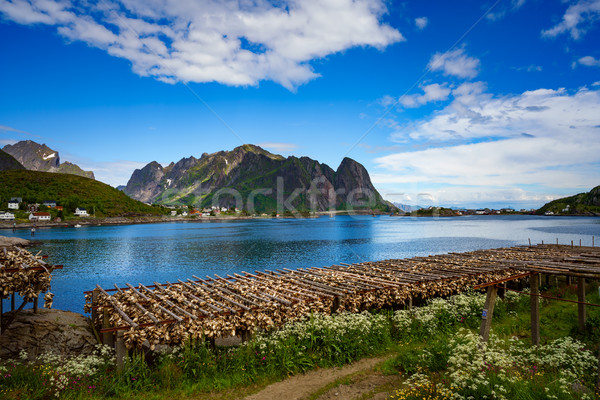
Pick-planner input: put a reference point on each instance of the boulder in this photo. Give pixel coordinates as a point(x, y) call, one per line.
point(48, 331)
point(6, 241)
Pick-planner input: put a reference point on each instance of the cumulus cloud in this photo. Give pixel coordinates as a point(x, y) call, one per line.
point(421, 22)
point(577, 20)
point(455, 63)
point(544, 136)
point(589, 61)
point(230, 42)
point(431, 93)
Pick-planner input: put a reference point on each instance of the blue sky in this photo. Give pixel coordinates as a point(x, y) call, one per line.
point(455, 103)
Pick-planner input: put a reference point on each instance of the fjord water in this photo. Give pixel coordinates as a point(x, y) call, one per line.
point(164, 252)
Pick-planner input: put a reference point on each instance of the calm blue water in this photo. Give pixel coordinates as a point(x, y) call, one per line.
point(135, 254)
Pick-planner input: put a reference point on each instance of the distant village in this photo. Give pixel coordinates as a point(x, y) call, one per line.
point(37, 212)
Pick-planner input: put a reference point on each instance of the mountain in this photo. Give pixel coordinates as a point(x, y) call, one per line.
point(8, 162)
point(70, 191)
point(582, 203)
point(250, 177)
point(39, 157)
point(406, 207)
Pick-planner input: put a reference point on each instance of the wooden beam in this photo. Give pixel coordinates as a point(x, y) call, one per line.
point(535, 310)
point(488, 312)
point(581, 306)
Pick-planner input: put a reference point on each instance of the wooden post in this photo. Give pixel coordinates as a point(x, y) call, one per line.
point(120, 351)
point(529, 241)
point(1, 312)
point(488, 312)
point(336, 304)
point(592, 241)
point(535, 310)
point(581, 299)
point(12, 302)
point(95, 293)
point(35, 303)
point(410, 305)
point(108, 337)
point(569, 281)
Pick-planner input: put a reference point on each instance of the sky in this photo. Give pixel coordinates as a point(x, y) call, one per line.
point(451, 103)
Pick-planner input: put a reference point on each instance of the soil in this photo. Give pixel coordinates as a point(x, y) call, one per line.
point(359, 380)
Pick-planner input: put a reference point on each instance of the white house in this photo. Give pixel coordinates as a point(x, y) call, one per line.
point(50, 203)
point(184, 214)
point(39, 216)
point(6, 216)
point(173, 213)
point(13, 205)
point(81, 212)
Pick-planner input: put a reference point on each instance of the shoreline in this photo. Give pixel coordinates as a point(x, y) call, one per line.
point(114, 221)
point(161, 219)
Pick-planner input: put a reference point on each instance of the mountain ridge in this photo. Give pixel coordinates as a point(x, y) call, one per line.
point(39, 157)
point(251, 177)
point(8, 162)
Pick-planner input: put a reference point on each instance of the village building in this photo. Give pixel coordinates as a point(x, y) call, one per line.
point(50, 203)
point(6, 216)
point(40, 216)
point(13, 205)
point(81, 212)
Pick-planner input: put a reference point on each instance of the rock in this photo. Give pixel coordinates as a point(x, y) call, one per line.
point(6, 241)
point(48, 331)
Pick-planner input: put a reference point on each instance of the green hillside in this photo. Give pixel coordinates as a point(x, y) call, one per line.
point(582, 203)
point(70, 191)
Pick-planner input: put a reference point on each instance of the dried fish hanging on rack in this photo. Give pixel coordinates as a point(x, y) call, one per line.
point(25, 274)
point(217, 306)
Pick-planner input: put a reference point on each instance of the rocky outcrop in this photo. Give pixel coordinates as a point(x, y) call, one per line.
point(39, 157)
point(8, 162)
point(253, 175)
point(47, 331)
point(6, 241)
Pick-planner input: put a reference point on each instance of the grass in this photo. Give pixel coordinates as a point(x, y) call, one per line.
point(435, 350)
point(70, 191)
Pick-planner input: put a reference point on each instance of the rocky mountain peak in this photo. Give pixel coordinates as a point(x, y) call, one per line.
point(39, 157)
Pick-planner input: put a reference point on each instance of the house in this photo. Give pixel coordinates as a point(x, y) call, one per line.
point(6, 216)
point(184, 214)
point(32, 207)
point(59, 208)
point(206, 214)
point(13, 205)
point(39, 216)
point(480, 212)
point(50, 203)
point(81, 212)
point(223, 209)
point(173, 213)
point(17, 199)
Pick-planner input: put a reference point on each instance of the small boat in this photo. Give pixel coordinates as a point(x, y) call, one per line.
point(77, 226)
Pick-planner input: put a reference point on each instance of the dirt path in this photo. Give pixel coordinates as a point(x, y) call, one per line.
point(358, 379)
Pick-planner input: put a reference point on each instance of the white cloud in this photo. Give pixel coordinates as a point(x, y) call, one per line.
point(500, 11)
point(542, 137)
point(114, 173)
point(279, 147)
point(421, 22)
point(455, 63)
point(230, 42)
point(577, 20)
point(431, 93)
point(466, 196)
point(589, 61)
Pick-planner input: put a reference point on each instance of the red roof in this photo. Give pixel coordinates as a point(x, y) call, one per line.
point(41, 214)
